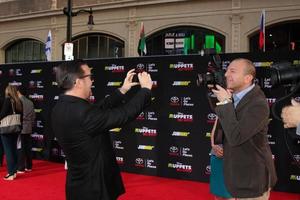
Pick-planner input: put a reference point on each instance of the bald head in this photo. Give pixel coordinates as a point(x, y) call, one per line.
point(248, 67)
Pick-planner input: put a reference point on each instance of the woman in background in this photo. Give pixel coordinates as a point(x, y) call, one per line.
point(11, 103)
point(216, 181)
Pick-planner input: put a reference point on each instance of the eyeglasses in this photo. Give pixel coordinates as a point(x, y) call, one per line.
point(88, 75)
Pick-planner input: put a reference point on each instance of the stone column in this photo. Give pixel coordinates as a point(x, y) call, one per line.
point(132, 34)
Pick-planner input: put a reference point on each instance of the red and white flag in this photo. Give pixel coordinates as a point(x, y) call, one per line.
point(262, 39)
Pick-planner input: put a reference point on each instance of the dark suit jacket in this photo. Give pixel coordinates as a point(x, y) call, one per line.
point(248, 163)
point(82, 131)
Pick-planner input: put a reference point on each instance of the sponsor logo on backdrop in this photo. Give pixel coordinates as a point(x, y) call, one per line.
point(114, 83)
point(180, 133)
point(146, 147)
point(267, 83)
point(92, 99)
point(15, 83)
point(208, 170)
point(144, 163)
point(208, 134)
point(270, 138)
point(15, 72)
point(181, 66)
point(37, 137)
point(180, 151)
point(35, 149)
point(115, 68)
point(140, 68)
point(11, 72)
point(146, 131)
point(115, 130)
point(35, 84)
point(296, 159)
point(36, 97)
point(295, 177)
point(262, 64)
point(271, 101)
point(36, 71)
point(54, 83)
point(181, 83)
point(120, 160)
point(56, 97)
point(154, 84)
point(149, 67)
point(181, 101)
point(147, 115)
point(117, 144)
point(38, 110)
point(180, 117)
point(180, 167)
point(39, 124)
point(211, 118)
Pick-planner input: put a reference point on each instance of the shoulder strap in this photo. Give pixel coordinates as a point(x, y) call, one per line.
point(14, 112)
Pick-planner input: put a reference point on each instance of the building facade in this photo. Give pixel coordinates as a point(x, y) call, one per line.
point(233, 24)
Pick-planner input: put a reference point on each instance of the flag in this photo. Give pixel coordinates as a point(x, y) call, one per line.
point(142, 49)
point(48, 47)
point(261, 41)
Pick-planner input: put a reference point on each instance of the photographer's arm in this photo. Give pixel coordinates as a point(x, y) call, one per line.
point(291, 116)
point(117, 96)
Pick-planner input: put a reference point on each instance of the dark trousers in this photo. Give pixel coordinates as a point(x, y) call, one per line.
point(9, 142)
point(1, 152)
point(25, 154)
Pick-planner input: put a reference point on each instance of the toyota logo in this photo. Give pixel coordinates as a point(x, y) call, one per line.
point(173, 149)
point(140, 67)
point(139, 161)
point(174, 99)
point(211, 116)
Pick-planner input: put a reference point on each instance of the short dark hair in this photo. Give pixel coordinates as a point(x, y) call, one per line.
point(67, 73)
point(22, 89)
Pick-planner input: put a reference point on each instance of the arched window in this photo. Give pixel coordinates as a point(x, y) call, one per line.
point(279, 37)
point(185, 40)
point(98, 46)
point(25, 50)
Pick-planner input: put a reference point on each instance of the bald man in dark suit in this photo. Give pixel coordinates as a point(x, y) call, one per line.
point(243, 112)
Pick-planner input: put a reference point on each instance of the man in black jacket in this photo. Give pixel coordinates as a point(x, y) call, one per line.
point(82, 130)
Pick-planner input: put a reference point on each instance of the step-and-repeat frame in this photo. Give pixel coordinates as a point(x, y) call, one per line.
point(171, 138)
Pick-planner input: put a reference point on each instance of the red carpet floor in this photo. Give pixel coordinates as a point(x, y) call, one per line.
point(47, 181)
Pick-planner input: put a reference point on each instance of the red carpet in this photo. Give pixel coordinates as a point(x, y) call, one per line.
point(47, 181)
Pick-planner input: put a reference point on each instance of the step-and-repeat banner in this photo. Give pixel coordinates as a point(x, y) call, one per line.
point(171, 138)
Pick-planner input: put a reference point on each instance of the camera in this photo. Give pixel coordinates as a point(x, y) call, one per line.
point(284, 73)
point(215, 75)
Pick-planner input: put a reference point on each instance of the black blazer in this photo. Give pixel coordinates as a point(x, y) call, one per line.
point(248, 165)
point(6, 109)
point(82, 131)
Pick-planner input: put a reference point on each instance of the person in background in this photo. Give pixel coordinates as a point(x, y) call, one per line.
point(291, 116)
point(1, 145)
point(243, 113)
point(216, 179)
point(25, 153)
point(11, 103)
point(82, 130)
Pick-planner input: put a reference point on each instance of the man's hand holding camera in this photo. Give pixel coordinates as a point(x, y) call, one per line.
point(144, 80)
point(223, 95)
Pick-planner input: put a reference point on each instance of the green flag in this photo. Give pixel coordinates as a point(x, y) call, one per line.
point(142, 50)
